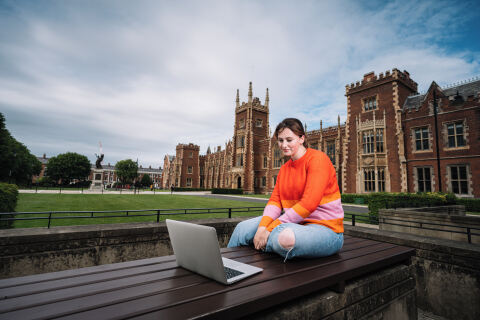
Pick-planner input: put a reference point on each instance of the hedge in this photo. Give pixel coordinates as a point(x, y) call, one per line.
point(471, 205)
point(8, 202)
point(355, 198)
point(383, 200)
point(189, 189)
point(227, 191)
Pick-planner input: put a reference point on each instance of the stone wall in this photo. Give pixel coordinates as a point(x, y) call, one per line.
point(387, 294)
point(450, 221)
point(447, 273)
point(39, 250)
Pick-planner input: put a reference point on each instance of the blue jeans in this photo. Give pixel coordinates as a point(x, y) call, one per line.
point(311, 241)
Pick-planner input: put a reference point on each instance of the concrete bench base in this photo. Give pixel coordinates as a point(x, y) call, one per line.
point(388, 294)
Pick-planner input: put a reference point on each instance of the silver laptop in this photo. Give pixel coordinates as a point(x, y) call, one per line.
point(196, 249)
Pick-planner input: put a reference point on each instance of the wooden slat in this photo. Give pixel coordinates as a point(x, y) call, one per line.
point(158, 286)
point(128, 303)
point(10, 282)
point(246, 300)
point(115, 283)
point(111, 272)
point(94, 277)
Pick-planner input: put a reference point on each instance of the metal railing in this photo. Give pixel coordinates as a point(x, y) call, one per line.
point(82, 190)
point(361, 218)
point(49, 216)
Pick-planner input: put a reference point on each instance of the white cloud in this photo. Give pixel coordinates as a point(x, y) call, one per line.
point(143, 77)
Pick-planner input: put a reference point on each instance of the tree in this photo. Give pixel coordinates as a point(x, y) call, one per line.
point(127, 171)
point(68, 166)
point(17, 164)
point(146, 181)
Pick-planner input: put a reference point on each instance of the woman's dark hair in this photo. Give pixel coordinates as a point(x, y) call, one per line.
point(293, 124)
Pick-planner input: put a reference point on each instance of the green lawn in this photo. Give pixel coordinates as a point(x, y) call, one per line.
point(98, 202)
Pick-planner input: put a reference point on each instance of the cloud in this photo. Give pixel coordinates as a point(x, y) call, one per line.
point(142, 77)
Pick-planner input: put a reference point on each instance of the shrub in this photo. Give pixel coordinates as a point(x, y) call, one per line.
point(471, 205)
point(227, 191)
point(45, 182)
point(355, 198)
point(8, 202)
point(383, 200)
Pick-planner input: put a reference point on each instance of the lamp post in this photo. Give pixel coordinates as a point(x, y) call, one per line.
point(437, 142)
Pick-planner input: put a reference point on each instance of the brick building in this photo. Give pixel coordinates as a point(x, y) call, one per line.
point(387, 143)
point(455, 155)
point(110, 175)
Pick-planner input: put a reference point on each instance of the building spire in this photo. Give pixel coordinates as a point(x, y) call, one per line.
point(267, 99)
point(250, 93)
point(339, 121)
point(238, 99)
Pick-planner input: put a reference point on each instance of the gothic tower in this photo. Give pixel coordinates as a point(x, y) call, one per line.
point(374, 154)
point(251, 126)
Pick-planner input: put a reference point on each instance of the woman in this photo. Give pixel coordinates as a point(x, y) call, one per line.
point(307, 191)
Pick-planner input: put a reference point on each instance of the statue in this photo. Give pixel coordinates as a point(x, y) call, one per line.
point(98, 163)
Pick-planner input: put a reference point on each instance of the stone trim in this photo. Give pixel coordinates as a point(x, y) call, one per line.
point(400, 145)
point(448, 179)
point(415, 177)
point(413, 139)
point(465, 135)
point(346, 141)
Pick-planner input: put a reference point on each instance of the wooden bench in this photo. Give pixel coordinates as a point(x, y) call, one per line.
point(157, 289)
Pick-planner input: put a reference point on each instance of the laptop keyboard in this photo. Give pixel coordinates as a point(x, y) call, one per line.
point(231, 272)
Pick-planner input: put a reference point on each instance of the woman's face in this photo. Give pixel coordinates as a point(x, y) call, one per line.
point(290, 143)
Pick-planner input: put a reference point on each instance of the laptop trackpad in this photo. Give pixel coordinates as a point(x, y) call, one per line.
point(244, 268)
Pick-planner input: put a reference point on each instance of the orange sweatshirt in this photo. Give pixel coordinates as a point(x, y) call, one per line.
point(307, 191)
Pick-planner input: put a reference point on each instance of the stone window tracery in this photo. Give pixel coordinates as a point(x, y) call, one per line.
point(370, 103)
point(459, 179)
point(277, 158)
point(424, 179)
point(368, 142)
point(379, 140)
point(455, 134)
point(369, 180)
point(331, 150)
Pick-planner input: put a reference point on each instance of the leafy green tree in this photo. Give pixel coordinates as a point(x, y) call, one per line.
point(17, 164)
point(68, 166)
point(127, 171)
point(146, 180)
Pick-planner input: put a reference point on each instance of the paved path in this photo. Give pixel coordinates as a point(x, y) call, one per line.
point(346, 207)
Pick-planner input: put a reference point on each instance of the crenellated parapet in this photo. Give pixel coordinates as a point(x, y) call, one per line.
point(371, 80)
point(189, 146)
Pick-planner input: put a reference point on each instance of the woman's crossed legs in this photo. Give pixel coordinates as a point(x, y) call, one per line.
point(290, 239)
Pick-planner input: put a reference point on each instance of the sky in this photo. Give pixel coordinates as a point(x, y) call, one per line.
point(139, 77)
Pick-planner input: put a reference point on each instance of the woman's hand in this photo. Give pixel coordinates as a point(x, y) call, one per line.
point(261, 237)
